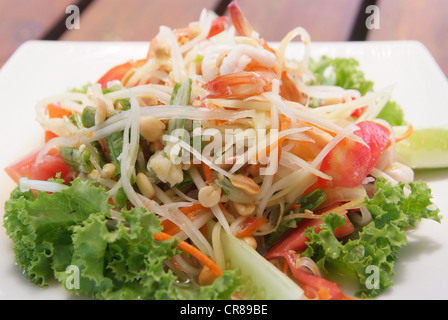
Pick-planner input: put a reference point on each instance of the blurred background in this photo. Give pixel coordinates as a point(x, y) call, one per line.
point(139, 20)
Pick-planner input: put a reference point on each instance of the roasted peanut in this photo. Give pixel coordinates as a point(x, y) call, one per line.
point(208, 196)
point(145, 186)
point(161, 51)
point(147, 100)
point(244, 209)
point(245, 184)
point(251, 242)
point(108, 170)
point(151, 128)
point(128, 76)
point(101, 112)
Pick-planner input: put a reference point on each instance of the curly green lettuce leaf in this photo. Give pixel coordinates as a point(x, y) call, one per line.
point(346, 73)
point(54, 234)
point(123, 261)
point(392, 113)
point(378, 244)
point(40, 226)
point(341, 72)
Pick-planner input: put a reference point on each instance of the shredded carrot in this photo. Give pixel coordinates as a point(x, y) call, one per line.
point(192, 210)
point(188, 248)
point(208, 173)
point(309, 124)
point(56, 111)
point(49, 135)
point(405, 135)
point(171, 228)
point(224, 209)
point(250, 226)
point(203, 230)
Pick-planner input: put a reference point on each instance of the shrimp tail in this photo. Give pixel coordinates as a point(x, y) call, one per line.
point(239, 21)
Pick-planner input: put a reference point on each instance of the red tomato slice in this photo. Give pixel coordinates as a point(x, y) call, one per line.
point(296, 240)
point(350, 162)
point(22, 168)
point(118, 72)
point(325, 289)
point(51, 164)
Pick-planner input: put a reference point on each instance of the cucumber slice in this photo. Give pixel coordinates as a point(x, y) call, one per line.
point(425, 148)
point(261, 279)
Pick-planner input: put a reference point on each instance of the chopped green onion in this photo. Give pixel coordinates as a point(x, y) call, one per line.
point(122, 104)
point(115, 145)
point(180, 97)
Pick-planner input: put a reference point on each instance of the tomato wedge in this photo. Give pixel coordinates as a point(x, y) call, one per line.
point(325, 289)
point(51, 164)
point(295, 239)
point(118, 72)
point(350, 162)
point(22, 168)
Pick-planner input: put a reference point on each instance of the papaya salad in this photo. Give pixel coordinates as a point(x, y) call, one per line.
point(218, 167)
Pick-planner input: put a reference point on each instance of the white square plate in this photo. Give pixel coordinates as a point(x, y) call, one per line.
point(43, 68)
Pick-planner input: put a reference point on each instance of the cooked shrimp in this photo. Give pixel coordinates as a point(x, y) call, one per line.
point(242, 26)
point(238, 85)
point(242, 54)
point(212, 59)
point(288, 89)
